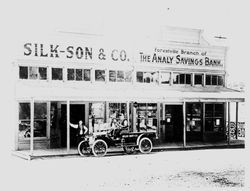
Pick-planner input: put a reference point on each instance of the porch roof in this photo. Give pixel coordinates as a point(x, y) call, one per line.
point(148, 94)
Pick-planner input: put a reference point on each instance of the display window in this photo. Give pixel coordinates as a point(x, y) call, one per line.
point(214, 117)
point(194, 117)
point(97, 116)
point(117, 108)
point(146, 116)
point(40, 120)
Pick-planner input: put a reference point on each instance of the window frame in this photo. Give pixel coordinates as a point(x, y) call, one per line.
point(152, 82)
point(59, 80)
point(216, 77)
point(38, 78)
point(178, 78)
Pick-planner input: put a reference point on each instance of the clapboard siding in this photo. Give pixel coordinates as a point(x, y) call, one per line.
point(38, 144)
point(174, 34)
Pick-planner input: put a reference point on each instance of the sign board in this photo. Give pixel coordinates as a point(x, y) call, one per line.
point(193, 56)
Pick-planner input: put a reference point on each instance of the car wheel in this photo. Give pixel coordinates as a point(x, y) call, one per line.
point(99, 148)
point(145, 145)
point(83, 148)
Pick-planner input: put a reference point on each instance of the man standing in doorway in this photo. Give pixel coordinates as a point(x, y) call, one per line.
point(81, 130)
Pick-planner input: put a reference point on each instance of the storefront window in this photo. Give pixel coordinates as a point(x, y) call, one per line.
point(165, 77)
point(40, 120)
point(24, 120)
point(100, 75)
point(147, 77)
point(194, 117)
point(198, 79)
point(97, 116)
point(57, 73)
point(146, 116)
point(214, 117)
point(117, 108)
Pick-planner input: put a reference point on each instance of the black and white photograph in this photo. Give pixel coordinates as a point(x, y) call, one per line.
point(124, 95)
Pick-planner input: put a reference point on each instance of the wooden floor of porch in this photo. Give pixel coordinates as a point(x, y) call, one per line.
point(62, 152)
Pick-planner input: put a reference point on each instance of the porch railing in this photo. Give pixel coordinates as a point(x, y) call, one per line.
point(240, 132)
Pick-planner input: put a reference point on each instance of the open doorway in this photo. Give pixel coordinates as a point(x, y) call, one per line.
point(77, 113)
point(173, 123)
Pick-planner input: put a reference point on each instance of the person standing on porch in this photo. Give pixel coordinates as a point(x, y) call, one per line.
point(81, 130)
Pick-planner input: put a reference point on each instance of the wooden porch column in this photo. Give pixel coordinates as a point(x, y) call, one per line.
point(158, 119)
point(203, 121)
point(228, 128)
point(31, 126)
point(236, 120)
point(184, 124)
point(68, 127)
point(127, 103)
point(48, 123)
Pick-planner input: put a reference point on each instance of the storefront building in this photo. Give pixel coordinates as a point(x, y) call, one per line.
point(176, 85)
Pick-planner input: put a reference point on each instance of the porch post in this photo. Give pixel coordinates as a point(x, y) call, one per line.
point(48, 123)
point(203, 121)
point(68, 127)
point(16, 124)
point(127, 103)
point(184, 124)
point(31, 126)
point(158, 119)
point(236, 120)
point(228, 128)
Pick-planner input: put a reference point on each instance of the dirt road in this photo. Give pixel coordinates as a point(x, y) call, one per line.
point(222, 169)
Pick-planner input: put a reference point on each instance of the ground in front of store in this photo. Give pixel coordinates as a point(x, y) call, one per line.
point(210, 169)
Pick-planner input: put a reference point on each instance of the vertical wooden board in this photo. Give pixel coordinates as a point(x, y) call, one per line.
point(68, 127)
point(31, 126)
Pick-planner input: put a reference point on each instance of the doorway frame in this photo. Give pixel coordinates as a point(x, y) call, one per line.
point(180, 103)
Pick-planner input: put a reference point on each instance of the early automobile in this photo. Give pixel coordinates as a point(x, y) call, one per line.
point(98, 143)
